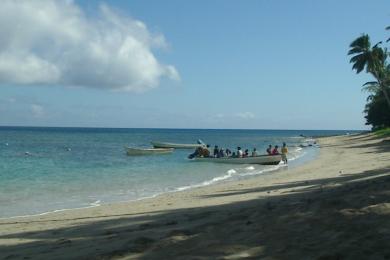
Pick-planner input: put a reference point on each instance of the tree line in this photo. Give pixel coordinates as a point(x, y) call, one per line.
point(375, 61)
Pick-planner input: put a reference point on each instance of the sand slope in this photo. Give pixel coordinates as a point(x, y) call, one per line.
point(336, 207)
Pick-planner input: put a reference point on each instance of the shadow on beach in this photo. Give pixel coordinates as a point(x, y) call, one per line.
point(350, 220)
point(346, 217)
point(359, 141)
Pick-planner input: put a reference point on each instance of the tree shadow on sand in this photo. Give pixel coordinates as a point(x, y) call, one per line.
point(378, 144)
point(348, 220)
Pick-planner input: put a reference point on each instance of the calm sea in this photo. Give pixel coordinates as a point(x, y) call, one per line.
point(48, 169)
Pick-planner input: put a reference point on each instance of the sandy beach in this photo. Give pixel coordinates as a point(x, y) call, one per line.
point(334, 207)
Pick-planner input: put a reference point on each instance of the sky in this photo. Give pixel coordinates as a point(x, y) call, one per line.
point(185, 64)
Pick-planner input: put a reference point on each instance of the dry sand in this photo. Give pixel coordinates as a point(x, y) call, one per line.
point(335, 207)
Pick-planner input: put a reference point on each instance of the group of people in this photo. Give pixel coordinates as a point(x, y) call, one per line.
point(202, 151)
point(219, 152)
point(275, 151)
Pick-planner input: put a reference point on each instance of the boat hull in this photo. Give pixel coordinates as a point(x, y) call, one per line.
point(174, 145)
point(132, 151)
point(262, 159)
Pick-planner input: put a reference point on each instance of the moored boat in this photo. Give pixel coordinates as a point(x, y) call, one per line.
point(175, 145)
point(261, 159)
point(147, 151)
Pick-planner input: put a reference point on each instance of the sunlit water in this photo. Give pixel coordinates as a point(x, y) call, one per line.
point(47, 169)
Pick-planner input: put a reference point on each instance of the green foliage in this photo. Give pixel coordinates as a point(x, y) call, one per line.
point(374, 61)
point(360, 47)
point(371, 87)
point(377, 112)
point(383, 132)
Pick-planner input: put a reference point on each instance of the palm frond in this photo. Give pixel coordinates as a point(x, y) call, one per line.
point(377, 44)
point(371, 83)
point(380, 54)
point(361, 42)
point(359, 62)
point(371, 87)
point(369, 98)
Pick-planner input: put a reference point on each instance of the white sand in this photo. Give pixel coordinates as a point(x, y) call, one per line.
point(335, 207)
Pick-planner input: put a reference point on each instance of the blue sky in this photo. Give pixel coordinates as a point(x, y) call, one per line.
point(192, 64)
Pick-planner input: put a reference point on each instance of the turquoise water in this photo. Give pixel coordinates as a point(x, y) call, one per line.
point(47, 169)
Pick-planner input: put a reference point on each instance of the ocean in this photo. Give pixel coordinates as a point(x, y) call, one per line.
point(49, 169)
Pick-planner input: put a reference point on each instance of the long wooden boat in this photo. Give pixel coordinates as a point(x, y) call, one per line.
point(131, 151)
point(175, 145)
point(261, 159)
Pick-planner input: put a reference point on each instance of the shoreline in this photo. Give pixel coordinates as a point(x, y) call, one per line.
point(192, 223)
point(274, 169)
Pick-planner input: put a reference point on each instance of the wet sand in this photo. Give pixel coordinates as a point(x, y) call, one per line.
point(335, 207)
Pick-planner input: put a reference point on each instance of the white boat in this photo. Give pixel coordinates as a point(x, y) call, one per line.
point(261, 159)
point(147, 151)
point(175, 145)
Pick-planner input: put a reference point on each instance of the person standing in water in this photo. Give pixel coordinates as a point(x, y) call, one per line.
point(284, 153)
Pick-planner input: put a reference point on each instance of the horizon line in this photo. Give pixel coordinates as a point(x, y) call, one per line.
point(181, 128)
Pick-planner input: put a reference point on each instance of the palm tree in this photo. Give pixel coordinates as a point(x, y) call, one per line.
point(371, 87)
point(373, 59)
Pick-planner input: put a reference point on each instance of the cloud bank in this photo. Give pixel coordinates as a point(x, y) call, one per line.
point(55, 43)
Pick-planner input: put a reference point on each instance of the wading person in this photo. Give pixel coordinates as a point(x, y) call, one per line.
point(284, 153)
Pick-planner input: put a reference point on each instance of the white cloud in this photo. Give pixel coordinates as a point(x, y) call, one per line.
point(245, 115)
point(241, 115)
point(54, 42)
point(37, 111)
